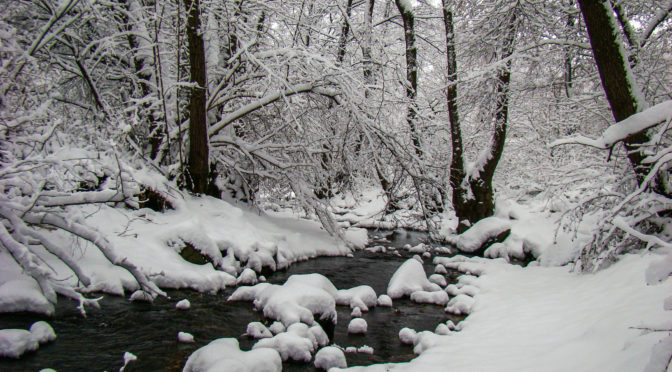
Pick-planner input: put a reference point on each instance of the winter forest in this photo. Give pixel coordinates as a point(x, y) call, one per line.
point(303, 185)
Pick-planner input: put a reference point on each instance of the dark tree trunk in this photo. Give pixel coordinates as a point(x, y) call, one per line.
point(473, 197)
point(197, 179)
point(345, 29)
point(614, 68)
point(411, 73)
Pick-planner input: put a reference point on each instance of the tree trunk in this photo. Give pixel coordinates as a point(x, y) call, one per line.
point(411, 72)
point(617, 80)
point(197, 179)
point(473, 197)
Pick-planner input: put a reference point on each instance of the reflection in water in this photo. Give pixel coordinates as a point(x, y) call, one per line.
point(150, 331)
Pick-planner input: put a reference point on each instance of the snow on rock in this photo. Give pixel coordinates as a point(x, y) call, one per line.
point(420, 248)
point(478, 234)
point(384, 300)
point(356, 236)
point(461, 288)
point(329, 357)
point(442, 329)
point(42, 332)
point(357, 326)
point(365, 349)
point(183, 304)
point(247, 277)
point(142, 296)
point(362, 296)
point(185, 338)
point(16, 342)
point(288, 346)
point(436, 298)
point(438, 279)
point(19, 292)
point(440, 269)
point(356, 313)
point(418, 258)
point(224, 354)
point(460, 304)
point(408, 336)
point(257, 330)
point(297, 300)
point(408, 278)
point(350, 349)
point(276, 327)
point(550, 318)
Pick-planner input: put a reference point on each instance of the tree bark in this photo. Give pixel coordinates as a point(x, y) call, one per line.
point(198, 165)
point(411, 73)
point(615, 74)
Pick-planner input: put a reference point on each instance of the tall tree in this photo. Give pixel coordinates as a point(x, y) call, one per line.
point(472, 189)
point(197, 179)
point(406, 11)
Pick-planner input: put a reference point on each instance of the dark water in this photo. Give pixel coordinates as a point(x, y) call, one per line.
point(149, 331)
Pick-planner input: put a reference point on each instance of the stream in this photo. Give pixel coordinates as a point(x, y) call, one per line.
point(98, 342)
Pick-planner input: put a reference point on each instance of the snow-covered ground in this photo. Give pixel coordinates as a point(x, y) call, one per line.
point(550, 319)
point(232, 238)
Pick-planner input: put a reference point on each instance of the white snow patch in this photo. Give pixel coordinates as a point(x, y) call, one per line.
point(15, 342)
point(362, 296)
point(474, 238)
point(357, 326)
point(436, 298)
point(384, 300)
point(185, 338)
point(183, 304)
point(128, 358)
point(438, 279)
point(356, 313)
point(365, 349)
point(408, 336)
point(408, 278)
point(258, 330)
point(329, 357)
point(224, 354)
point(247, 277)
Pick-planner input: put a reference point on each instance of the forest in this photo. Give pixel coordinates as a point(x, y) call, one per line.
point(519, 149)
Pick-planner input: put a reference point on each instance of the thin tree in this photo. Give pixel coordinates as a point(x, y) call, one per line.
point(198, 165)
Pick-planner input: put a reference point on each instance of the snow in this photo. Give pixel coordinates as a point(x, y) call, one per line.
point(224, 354)
point(362, 296)
point(185, 338)
point(357, 326)
point(258, 330)
point(276, 327)
point(289, 345)
point(438, 279)
point(487, 228)
point(356, 236)
point(183, 304)
point(408, 278)
point(42, 332)
point(15, 342)
point(247, 277)
point(365, 349)
point(436, 298)
point(621, 130)
point(356, 313)
point(297, 300)
point(128, 358)
point(210, 225)
point(329, 357)
point(547, 318)
point(384, 300)
point(440, 269)
point(407, 336)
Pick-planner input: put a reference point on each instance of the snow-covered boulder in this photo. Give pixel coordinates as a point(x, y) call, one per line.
point(362, 296)
point(356, 313)
point(357, 326)
point(224, 354)
point(408, 336)
point(424, 297)
point(183, 304)
point(408, 278)
point(438, 279)
point(365, 349)
point(247, 277)
point(490, 229)
point(461, 304)
point(384, 301)
point(276, 327)
point(329, 357)
point(258, 330)
point(289, 346)
point(16, 342)
point(185, 338)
